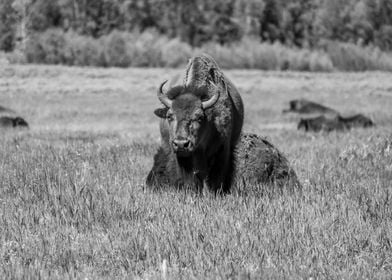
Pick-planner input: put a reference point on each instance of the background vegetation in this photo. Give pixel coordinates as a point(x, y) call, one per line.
point(73, 203)
point(315, 35)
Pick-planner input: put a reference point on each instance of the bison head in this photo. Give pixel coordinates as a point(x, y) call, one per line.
point(186, 117)
point(18, 121)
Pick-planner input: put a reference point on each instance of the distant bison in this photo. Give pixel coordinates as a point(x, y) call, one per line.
point(256, 161)
point(12, 122)
point(323, 123)
point(304, 106)
point(358, 120)
point(9, 119)
point(202, 123)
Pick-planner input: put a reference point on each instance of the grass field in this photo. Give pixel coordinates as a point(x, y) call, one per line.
point(73, 202)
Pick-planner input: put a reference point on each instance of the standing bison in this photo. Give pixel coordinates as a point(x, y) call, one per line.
point(202, 123)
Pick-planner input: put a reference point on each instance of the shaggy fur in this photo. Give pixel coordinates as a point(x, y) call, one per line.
point(211, 162)
point(256, 160)
point(202, 69)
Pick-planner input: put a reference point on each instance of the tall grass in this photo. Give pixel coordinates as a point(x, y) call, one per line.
point(73, 204)
point(80, 210)
point(151, 49)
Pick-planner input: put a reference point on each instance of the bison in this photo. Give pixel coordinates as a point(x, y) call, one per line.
point(256, 160)
point(304, 106)
point(12, 122)
point(201, 123)
point(358, 120)
point(339, 123)
point(10, 119)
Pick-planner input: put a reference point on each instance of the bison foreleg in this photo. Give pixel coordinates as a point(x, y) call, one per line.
point(200, 171)
point(220, 174)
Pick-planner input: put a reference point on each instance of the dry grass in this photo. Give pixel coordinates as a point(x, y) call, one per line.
point(73, 202)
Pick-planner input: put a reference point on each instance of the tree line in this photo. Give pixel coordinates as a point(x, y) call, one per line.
point(300, 23)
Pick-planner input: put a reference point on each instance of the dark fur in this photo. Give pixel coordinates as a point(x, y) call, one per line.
point(259, 162)
point(12, 122)
point(338, 123)
point(358, 120)
point(202, 69)
point(256, 160)
point(211, 163)
point(211, 159)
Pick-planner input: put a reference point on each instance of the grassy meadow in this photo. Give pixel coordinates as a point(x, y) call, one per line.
point(73, 203)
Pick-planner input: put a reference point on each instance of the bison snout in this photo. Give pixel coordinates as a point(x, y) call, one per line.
point(182, 145)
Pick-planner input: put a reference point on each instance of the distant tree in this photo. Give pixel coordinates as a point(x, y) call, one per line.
point(249, 14)
point(361, 28)
point(301, 23)
point(297, 22)
point(8, 19)
point(332, 19)
point(379, 15)
point(22, 9)
point(270, 21)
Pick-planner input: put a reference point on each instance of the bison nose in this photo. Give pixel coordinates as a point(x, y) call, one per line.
point(181, 144)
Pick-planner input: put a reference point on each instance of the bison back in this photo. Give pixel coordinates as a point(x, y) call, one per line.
point(229, 110)
point(257, 161)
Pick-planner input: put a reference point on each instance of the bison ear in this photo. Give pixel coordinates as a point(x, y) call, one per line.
point(161, 112)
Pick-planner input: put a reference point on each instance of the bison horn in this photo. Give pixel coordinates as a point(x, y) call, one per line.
point(211, 102)
point(163, 97)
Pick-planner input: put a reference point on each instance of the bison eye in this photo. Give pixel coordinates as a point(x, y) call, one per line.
point(198, 118)
point(169, 117)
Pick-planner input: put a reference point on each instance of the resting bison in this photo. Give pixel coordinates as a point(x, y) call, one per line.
point(256, 160)
point(358, 120)
point(202, 123)
point(304, 106)
point(10, 122)
point(338, 123)
point(9, 119)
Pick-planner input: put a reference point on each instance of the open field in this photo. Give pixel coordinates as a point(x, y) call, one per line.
point(73, 202)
